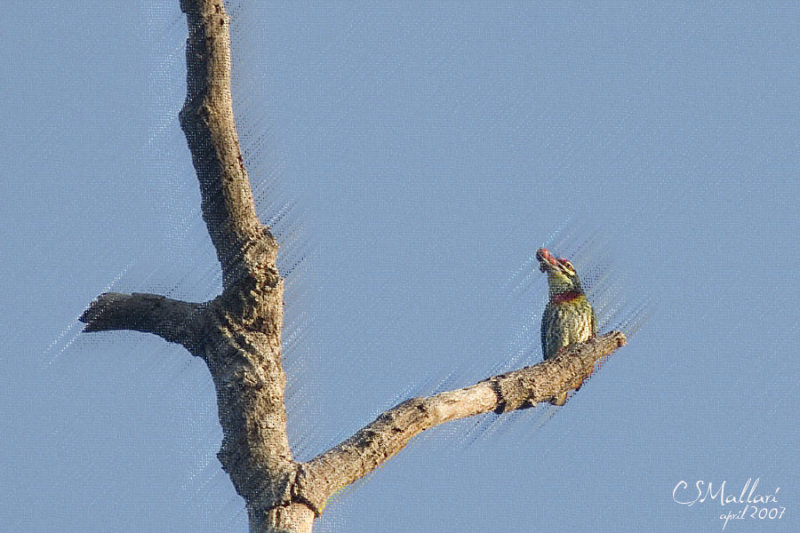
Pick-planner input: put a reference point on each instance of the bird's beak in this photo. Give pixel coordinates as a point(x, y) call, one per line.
point(546, 260)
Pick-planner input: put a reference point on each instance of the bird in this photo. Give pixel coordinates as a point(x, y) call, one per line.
point(568, 316)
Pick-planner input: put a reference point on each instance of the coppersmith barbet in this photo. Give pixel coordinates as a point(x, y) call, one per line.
point(568, 317)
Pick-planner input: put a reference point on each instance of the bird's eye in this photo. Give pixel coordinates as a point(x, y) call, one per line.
point(567, 264)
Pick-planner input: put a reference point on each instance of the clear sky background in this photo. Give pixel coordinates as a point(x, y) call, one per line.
point(411, 158)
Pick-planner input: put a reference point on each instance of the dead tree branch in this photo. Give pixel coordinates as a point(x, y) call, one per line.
point(172, 320)
point(238, 333)
point(241, 241)
point(391, 431)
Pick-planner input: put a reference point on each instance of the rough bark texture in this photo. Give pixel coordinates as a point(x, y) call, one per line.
point(238, 334)
point(390, 432)
point(173, 320)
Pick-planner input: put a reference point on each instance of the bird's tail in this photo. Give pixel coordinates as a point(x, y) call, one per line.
point(559, 399)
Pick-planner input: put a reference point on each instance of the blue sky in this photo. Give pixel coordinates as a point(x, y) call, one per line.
point(411, 159)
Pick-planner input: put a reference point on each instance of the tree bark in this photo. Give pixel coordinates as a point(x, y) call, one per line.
point(238, 333)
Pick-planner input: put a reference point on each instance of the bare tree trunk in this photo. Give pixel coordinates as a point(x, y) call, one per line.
point(238, 333)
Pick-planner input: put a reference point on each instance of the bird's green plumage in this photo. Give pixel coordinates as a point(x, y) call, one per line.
point(568, 317)
point(567, 323)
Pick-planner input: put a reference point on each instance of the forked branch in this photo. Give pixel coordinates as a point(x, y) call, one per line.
point(238, 334)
